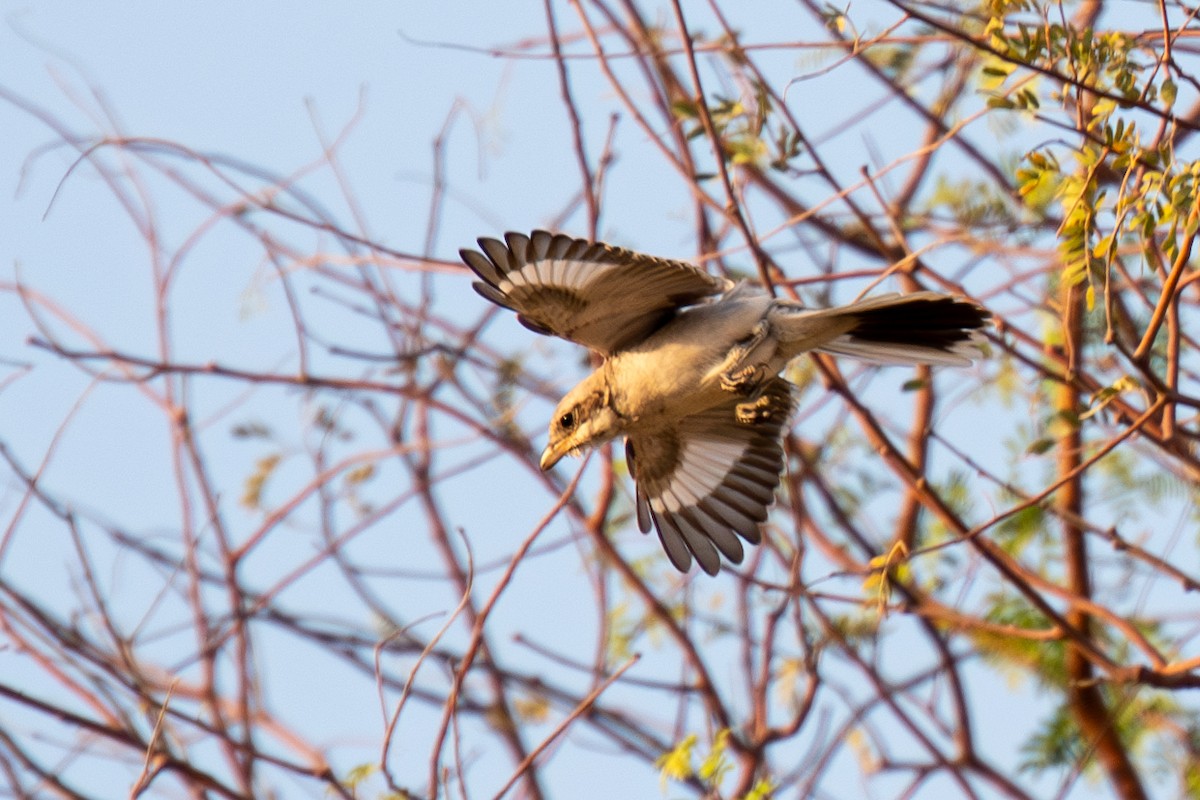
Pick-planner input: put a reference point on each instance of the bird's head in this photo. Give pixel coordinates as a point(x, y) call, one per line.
point(585, 417)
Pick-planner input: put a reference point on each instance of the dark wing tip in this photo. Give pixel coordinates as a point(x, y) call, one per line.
point(483, 266)
point(489, 292)
point(518, 246)
point(534, 325)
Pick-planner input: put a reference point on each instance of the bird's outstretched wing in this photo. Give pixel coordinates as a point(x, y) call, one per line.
point(604, 297)
point(709, 479)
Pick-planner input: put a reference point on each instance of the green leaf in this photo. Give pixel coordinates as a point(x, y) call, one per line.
point(684, 109)
point(359, 774)
point(1039, 446)
point(1167, 91)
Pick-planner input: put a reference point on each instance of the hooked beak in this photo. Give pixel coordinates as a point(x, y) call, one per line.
point(553, 454)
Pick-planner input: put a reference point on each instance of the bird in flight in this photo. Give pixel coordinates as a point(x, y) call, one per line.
point(690, 375)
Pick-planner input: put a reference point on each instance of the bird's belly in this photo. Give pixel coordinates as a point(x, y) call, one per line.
point(666, 382)
point(675, 372)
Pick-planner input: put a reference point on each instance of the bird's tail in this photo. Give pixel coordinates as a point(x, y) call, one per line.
point(919, 328)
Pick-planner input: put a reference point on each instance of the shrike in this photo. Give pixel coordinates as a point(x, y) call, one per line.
point(690, 372)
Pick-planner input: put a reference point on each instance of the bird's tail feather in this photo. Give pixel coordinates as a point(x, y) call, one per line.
point(919, 328)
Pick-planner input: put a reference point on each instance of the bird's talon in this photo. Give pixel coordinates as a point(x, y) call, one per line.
point(760, 409)
point(744, 380)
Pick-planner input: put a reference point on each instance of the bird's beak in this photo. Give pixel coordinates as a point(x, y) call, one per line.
point(553, 454)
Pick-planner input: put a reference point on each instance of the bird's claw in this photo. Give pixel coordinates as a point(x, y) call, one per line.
point(761, 409)
point(743, 381)
point(745, 367)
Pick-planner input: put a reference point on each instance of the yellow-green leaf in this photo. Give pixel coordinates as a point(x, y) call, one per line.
point(360, 474)
point(1168, 90)
point(252, 492)
point(535, 708)
point(676, 763)
point(715, 764)
point(763, 789)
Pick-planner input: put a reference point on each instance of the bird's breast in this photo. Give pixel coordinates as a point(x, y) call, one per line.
point(667, 375)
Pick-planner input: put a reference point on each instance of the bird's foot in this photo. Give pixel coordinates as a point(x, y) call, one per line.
point(744, 368)
point(762, 408)
point(744, 381)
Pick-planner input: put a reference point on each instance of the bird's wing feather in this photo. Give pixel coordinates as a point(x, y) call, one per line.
point(709, 479)
point(604, 297)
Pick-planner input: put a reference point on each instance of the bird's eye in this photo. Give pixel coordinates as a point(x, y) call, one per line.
point(567, 420)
